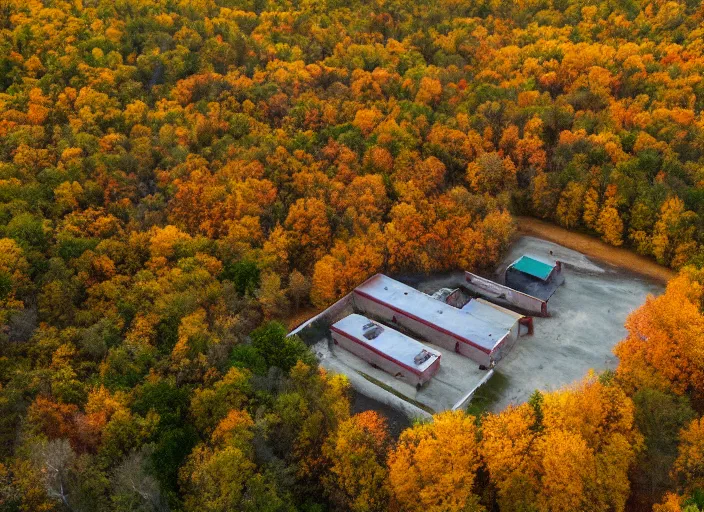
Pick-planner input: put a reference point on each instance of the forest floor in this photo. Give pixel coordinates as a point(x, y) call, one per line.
point(298, 317)
point(594, 248)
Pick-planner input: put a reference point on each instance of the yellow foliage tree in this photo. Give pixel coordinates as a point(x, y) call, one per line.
point(542, 196)
point(567, 463)
point(609, 223)
point(688, 469)
point(673, 234)
point(591, 208)
point(429, 91)
point(434, 465)
point(566, 450)
point(570, 206)
point(308, 226)
point(324, 285)
point(13, 277)
point(491, 174)
point(507, 449)
point(358, 475)
point(215, 475)
point(272, 297)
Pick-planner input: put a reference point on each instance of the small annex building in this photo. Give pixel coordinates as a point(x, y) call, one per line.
point(486, 310)
point(470, 333)
point(515, 322)
point(387, 349)
point(534, 276)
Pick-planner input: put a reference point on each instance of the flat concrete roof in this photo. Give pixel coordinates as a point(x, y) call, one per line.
point(479, 332)
point(533, 266)
point(389, 343)
point(482, 309)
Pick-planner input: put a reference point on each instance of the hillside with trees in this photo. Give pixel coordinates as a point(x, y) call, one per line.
point(179, 176)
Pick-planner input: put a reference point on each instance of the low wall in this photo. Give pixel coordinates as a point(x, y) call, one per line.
point(464, 401)
point(311, 331)
point(499, 292)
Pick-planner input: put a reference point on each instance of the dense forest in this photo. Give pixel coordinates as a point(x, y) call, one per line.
point(178, 177)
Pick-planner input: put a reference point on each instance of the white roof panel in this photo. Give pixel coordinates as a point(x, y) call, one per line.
point(389, 342)
point(477, 330)
point(497, 315)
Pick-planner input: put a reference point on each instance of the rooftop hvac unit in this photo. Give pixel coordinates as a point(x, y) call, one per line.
point(371, 330)
point(422, 357)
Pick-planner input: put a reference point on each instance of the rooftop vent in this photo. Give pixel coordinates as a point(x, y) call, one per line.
point(371, 330)
point(422, 357)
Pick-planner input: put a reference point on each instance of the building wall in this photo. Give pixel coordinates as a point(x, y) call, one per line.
point(514, 332)
point(556, 275)
point(506, 345)
point(427, 332)
point(499, 292)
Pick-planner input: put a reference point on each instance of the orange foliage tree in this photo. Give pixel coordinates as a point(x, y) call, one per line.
point(664, 343)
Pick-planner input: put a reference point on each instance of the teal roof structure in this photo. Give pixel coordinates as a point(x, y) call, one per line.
point(533, 267)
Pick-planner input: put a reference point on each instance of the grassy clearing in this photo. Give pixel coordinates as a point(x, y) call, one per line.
point(488, 394)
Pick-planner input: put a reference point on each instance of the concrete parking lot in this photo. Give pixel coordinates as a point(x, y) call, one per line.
point(457, 376)
point(586, 321)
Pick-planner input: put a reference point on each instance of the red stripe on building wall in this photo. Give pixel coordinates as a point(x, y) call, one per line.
point(376, 350)
point(424, 322)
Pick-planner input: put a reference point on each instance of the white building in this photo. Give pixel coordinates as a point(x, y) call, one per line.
point(387, 349)
point(480, 332)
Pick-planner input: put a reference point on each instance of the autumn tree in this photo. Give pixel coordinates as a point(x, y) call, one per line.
point(570, 206)
point(565, 450)
point(271, 296)
point(216, 475)
point(542, 197)
point(14, 278)
point(673, 233)
point(427, 175)
point(324, 285)
point(433, 467)
point(491, 174)
point(358, 475)
point(591, 208)
point(298, 288)
point(688, 469)
point(609, 223)
point(307, 223)
point(662, 346)
point(508, 448)
point(303, 417)
point(405, 235)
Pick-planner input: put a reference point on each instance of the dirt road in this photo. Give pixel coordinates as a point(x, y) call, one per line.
point(594, 248)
